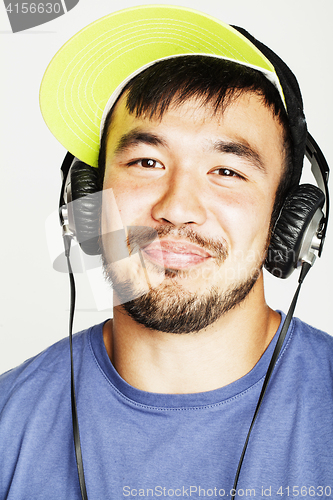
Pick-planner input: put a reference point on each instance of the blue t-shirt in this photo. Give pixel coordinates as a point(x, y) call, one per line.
point(137, 444)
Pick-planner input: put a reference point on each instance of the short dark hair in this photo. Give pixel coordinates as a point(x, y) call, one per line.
point(212, 81)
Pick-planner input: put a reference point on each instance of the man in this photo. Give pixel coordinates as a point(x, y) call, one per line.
point(201, 151)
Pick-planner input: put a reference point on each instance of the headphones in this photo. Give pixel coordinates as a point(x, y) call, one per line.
point(298, 235)
point(299, 232)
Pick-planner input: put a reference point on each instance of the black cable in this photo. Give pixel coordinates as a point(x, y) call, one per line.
point(304, 271)
point(76, 434)
point(77, 444)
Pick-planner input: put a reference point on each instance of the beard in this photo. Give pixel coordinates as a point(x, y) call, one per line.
point(170, 307)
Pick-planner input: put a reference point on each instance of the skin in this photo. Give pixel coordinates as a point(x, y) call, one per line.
point(226, 194)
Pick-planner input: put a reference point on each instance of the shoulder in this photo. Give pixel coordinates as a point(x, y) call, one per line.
point(312, 339)
point(47, 371)
point(308, 355)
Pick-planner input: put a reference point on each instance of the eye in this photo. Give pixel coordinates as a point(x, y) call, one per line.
point(147, 163)
point(226, 172)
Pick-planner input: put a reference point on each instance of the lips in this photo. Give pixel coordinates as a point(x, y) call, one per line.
point(176, 254)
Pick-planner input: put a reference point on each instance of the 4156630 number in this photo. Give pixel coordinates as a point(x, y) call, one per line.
point(34, 8)
point(305, 491)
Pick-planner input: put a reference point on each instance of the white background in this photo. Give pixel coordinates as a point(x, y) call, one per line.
point(34, 297)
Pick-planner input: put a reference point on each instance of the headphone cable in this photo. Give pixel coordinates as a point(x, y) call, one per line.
point(77, 443)
point(76, 433)
point(306, 266)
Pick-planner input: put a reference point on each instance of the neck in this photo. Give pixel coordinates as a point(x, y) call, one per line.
point(163, 362)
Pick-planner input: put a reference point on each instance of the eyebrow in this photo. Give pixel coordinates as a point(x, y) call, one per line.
point(135, 137)
point(237, 148)
point(241, 149)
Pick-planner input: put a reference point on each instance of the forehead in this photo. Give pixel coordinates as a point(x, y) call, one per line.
point(246, 118)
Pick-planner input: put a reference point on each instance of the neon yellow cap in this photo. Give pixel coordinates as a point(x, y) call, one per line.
point(87, 74)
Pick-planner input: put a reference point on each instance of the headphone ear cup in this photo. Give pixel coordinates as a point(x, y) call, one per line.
point(87, 198)
point(295, 218)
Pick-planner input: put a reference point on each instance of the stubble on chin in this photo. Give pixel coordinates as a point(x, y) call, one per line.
point(171, 307)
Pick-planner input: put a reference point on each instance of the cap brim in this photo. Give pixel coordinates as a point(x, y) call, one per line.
point(87, 73)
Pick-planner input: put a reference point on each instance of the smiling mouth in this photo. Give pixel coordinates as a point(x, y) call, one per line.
point(176, 254)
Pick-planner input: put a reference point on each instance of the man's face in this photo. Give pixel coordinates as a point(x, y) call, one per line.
point(206, 183)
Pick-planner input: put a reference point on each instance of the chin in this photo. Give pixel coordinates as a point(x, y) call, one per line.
point(172, 308)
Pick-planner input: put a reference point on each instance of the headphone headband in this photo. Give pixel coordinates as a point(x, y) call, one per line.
point(303, 143)
point(294, 104)
point(321, 172)
point(301, 227)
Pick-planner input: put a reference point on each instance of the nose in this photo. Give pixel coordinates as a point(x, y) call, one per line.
point(180, 202)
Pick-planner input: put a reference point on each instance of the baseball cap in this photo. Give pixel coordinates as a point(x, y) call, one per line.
point(87, 74)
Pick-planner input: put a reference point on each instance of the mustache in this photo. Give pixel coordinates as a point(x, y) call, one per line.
point(139, 237)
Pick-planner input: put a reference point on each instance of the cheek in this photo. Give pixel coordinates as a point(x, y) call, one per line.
point(111, 218)
point(125, 202)
point(246, 219)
